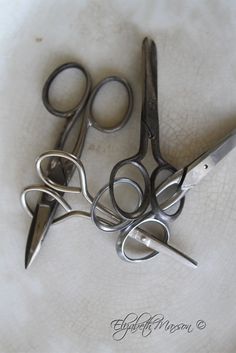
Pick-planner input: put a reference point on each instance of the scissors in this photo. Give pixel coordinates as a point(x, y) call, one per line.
point(158, 214)
point(184, 179)
point(56, 190)
point(61, 171)
point(149, 131)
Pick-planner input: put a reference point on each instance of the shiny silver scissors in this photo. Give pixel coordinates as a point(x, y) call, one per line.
point(61, 171)
point(109, 218)
point(184, 179)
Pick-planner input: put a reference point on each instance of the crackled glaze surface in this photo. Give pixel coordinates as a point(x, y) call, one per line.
point(78, 285)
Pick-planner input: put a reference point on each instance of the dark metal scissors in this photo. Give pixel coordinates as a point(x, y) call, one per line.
point(149, 131)
point(61, 171)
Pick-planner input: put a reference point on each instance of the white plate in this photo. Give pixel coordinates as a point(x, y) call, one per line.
point(66, 301)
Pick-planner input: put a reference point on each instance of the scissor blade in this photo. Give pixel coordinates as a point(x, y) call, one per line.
point(149, 107)
point(44, 213)
point(153, 243)
point(41, 221)
point(200, 167)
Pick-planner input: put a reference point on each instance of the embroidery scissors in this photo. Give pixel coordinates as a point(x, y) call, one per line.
point(149, 131)
point(60, 171)
point(185, 179)
point(113, 219)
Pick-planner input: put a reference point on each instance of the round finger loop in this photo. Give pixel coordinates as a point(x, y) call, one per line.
point(128, 112)
point(47, 85)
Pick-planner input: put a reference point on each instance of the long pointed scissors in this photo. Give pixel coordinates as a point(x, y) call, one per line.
point(61, 171)
point(149, 131)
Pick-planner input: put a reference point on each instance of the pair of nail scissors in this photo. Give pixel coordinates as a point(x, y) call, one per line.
point(110, 218)
point(149, 131)
point(183, 180)
point(61, 171)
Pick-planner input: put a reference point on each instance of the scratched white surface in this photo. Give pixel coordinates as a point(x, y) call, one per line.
point(78, 285)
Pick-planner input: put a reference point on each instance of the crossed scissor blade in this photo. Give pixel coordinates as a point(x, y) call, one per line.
point(200, 167)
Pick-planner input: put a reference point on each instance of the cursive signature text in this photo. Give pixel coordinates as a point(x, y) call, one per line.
point(145, 324)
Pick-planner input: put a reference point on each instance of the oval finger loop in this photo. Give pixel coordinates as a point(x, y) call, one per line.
point(80, 105)
point(141, 207)
point(128, 111)
point(116, 222)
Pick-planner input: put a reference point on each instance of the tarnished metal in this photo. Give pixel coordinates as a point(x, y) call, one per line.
point(149, 131)
point(61, 171)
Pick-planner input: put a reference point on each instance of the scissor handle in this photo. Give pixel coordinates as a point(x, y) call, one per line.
point(160, 209)
point(134, 231)
point(80, 105)
point(141, 208)
point(93, 95)
point(46, 190)
point(158, 246)
point(123, 223)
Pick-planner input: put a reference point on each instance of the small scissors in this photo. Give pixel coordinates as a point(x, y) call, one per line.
point(158, 215)
point(149, 131)
point(185, 179)
point(61, 171)
point(111, 220)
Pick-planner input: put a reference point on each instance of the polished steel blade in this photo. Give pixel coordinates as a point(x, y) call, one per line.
point(43, 215)
point(42, 219)
point(200, 167)
point(189, 176)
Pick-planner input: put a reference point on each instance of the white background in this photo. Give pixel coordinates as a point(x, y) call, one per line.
point(77, 285)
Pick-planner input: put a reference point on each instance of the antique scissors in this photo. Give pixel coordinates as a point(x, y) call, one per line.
point(61, 171)
point(184, 180)
point(149, 131)
point(109, 218)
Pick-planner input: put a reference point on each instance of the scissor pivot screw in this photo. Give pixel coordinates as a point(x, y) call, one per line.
point(143, 239)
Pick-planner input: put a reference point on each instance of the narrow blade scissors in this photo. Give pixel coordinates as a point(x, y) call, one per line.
point(113, 220)
point(61, 171)
point(149, 131)
point(184, 179)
